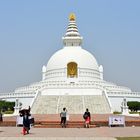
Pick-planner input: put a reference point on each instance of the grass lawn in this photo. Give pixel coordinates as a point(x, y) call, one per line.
point(129, 138)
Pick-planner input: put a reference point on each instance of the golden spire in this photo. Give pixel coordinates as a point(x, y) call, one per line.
point(72, 17)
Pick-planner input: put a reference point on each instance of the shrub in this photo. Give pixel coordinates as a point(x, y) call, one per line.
point(116, 112)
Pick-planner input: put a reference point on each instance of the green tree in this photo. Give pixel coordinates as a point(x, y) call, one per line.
point(133, 105)
point(5, 106)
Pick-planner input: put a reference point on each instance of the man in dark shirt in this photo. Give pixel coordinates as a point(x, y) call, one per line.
point(63, 117)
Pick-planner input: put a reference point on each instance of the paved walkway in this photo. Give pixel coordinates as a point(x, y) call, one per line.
point(101, 133)
point(55, 138)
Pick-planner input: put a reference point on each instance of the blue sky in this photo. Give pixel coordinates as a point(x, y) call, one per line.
point(31, 31)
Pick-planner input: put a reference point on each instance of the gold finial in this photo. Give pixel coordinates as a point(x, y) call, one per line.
point(72, 17)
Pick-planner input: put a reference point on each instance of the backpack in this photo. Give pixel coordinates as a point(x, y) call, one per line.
point(85, 116)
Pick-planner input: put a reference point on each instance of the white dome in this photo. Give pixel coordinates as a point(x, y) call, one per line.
point(83, 58)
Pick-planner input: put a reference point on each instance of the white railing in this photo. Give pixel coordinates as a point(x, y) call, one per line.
point(72, 85)
point(107, 99)
point(16, 95)
point(122, 94)
point(35, 98)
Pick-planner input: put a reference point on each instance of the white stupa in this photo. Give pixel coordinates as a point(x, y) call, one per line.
point(73, 79)
point(72, 64)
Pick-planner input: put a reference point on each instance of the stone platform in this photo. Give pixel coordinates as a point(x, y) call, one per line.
point(75, 121)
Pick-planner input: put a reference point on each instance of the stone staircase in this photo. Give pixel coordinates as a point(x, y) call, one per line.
point(75, 104)
point(45, 105)
point(97, 104)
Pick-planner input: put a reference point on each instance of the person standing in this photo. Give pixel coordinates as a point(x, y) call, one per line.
point(26, 123)
point(1, 118)
point(87, 118)
point(63, 115)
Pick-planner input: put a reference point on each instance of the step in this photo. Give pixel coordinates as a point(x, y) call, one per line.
point(56, 124)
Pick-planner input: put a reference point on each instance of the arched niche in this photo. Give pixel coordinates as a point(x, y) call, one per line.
point(72, 71)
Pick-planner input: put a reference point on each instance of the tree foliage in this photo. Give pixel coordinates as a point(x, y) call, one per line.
point(133, 105)
point(5, 106)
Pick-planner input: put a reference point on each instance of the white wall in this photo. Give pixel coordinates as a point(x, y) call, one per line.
point(72, 92)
